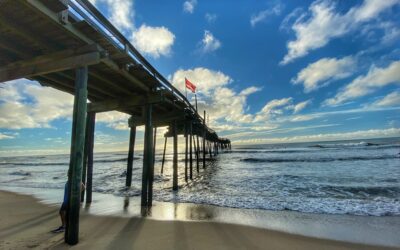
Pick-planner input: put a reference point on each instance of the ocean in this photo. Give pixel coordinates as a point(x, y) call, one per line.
point(357, 177)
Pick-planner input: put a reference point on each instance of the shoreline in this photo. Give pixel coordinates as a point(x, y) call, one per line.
point(343, 228)
point(25, 223)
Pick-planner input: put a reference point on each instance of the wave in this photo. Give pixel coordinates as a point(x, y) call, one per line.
point(353, 158)
point(33, 164)
point(391, 192)
point(20, 173)
point(283, 151)
point(355, 144)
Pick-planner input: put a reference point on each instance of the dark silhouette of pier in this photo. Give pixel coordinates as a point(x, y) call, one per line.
point(70, 46)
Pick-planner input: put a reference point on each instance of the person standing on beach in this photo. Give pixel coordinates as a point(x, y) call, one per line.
point(63, 209)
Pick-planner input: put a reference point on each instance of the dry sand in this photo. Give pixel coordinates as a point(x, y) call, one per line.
point(25, 224)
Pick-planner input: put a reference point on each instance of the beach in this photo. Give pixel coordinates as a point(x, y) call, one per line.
point(25, 223)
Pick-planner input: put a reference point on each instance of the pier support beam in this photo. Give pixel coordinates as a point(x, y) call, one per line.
point(163, 156)
point(186, 152)
point(191, 151)
point(90, 141)
point(131, 152)
point(85, 156)
point(175, 158)
point(147, 154)
point(76, 158)
point(197, 154)
point(204, 140)
point(151, 172)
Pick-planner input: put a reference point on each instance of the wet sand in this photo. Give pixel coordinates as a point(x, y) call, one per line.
point(25, 223)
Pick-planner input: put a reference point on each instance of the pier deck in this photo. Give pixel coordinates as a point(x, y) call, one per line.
point(70, 46)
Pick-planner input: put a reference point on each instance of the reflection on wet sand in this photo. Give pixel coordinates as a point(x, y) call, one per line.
point(366, 229)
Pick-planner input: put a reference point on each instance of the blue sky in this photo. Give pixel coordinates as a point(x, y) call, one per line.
point(266, 72)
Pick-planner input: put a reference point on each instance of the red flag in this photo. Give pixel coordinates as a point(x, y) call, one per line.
point(190, 85)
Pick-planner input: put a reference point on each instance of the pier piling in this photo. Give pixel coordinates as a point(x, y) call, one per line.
point(77, 154)
point(147, 153)
point(191, 151)
point(175, 158)
point(89, 178)
point(132, 137)
point(163, 157)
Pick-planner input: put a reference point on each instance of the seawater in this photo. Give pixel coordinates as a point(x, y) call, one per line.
point(359, 177)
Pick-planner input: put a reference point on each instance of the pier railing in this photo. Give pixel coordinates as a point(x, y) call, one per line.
point(93, 16)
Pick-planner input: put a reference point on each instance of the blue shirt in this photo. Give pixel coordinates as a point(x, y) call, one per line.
point(66, 195)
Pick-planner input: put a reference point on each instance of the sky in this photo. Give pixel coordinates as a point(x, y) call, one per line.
point(266, 72)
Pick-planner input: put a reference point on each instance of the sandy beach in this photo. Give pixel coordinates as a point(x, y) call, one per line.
point(25, 224)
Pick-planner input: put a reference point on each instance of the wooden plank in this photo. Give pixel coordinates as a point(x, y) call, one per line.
point(56, 5)
point(23, 31)
point(51, 15)
point(48, 64)
point(76, 161)
point(103, 79)
point(159, 119)
point(127, 75)
point(125, 103)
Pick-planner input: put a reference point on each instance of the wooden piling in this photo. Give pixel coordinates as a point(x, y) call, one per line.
point(71, 236)
point(197, 154)
point(186, 152)
point(89, 177)
point(210, 150)
point(175, 158)
point(204, 140)
point(132, 137)
point(190, 152)
point(147, 157)
point(151, 171)
point(163, 156)
point(85, 157)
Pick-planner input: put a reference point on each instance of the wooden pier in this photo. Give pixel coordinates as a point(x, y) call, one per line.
point(70, 46)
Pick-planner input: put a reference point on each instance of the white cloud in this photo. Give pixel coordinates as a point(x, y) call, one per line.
point(150, 40)
point(154, 41)
point(250, 90)
point(221, 102)
point(272, 108)
point(188, 6)
point(120, 12)
point(300, 106)
point(114, 119)
point(262, 15)
point(323, 71)
point(392, 99)
point(209, 43)
point(210, 18)
point(360, 134)
point(323, 24)
point(25, 104)
point(205, 79)
point(363, 85)
point(317, 115)
point(5, 136)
